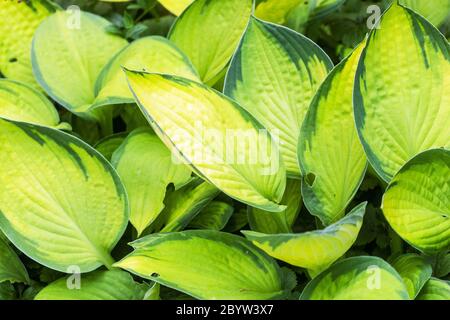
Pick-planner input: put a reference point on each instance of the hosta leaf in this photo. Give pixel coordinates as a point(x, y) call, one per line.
point(151, 54)
point(209, 32)
point(435, 289)
point(68, 54)
point(11, 268)
point(416, 202)
point(214, 216)
point(323, 7)
point(274, 75)
point(18, 22)
point(401, 97)
point(312, 250)
point(238, 220)
point(278, 222)
point(176, 6)
point(214, 265)
point(331, 157)
point(61, 203)
point(7, 291)
point(109, 144)
point(276, 11)
point(98, 285)
point(222, 142)
point(414, 270)
point(357, 278)
point(436, 11)
point(184, 205)
point(146, 167)
point(20, 102)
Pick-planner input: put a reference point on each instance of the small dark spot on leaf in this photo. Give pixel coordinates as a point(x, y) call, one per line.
point(12, 60)
point(310, 178)
point(155, 275)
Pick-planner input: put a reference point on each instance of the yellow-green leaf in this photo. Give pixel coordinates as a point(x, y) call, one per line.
point(357, 278)
point(274, 76)
point(214, 216)
point(150, 54)
point(69, 50)
point(313, 250)
point(21, 102)
point(278, 222)
point(18, 22)
point(215, 265)
point(222, 142)
point(146, 168)
point(11, 268)
point(401, 96)
point(98, 285)
point(109, 144)
point(61, 202)
point(435, 289)
point(414, 270)
point(436, 11)
point(209, 32)
point(184, 205)
point(416, 203)
point(176, 6)
point(276, 11)
point(331, 157)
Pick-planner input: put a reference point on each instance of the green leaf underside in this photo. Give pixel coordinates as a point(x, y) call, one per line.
point(274, 75)
point(214, 216)
point(357, 278)
point(67, 57)
point(278, 222)
point(401, 103)
point(15, 62)
point(435, 289)
point(184, 205)
point(329, 148)
point(150, 54)
point(416, 202)
point(414, 270)
point(11, 268)
point(146, 168)
point(209, 32)
point(312, 250)
point(222, 142)
point(109, 144)
point(98, 285)
point(67, 206)
point(225, 266)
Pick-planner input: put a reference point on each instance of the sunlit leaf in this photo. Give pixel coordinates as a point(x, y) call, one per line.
point(414, 270)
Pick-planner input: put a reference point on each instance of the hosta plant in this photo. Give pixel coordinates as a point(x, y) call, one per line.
point(224, 149)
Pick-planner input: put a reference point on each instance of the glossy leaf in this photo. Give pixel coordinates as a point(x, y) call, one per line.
point(146, 168)
point(274, 75)
point(414, 270)
point(69, 51)
point(176, 6)
point(222, 142)
point(225, 266)
point(436, 11)
point(18, 22)
point(11, 268)
point(401, 100)
point(357, 278)
point(214, 216)
point(313, 250)
point(150, 54)
point(64, 207)
point(98, 285)
point(435, 289)
point(20, 102)
point(209, 32)
point(331, 157)
point(415, 203)
point(278, 222)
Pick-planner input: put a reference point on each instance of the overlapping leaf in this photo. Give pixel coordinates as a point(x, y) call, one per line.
point(331, 157)
point(401, 97)
point(416, 203)
point(274, 75)
point(11, 268)
point(414, 270)
point(214, 216)
point(221, 141)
